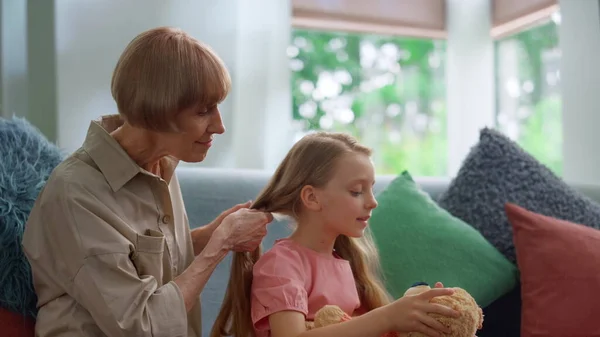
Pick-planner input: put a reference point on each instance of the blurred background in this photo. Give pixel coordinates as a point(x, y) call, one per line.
point(414, 79)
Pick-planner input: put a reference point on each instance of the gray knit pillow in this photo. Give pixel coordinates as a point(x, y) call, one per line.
point(497, 171)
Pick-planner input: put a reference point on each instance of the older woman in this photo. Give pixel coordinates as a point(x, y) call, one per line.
point(108, 239)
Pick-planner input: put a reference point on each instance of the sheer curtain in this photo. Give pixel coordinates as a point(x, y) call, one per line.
point(262, 104)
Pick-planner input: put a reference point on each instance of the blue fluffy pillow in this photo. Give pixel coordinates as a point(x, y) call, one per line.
point(26, 160)
point(498, 171)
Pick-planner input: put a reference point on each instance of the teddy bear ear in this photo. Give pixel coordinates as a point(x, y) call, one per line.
point(480, 312)
point(415, 290)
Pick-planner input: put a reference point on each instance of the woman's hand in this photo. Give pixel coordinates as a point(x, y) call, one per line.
point(242, 230)
point(217, 221)
point(202, 235)
point(410, 313)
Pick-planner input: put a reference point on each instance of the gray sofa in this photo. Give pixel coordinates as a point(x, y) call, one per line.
point(207, 192)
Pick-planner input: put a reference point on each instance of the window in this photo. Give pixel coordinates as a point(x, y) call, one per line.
point(528, 91)
point(387, 91)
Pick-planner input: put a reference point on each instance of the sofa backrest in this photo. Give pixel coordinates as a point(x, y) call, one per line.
point(207, 192)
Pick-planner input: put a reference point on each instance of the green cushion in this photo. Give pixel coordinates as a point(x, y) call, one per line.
point(419, 241)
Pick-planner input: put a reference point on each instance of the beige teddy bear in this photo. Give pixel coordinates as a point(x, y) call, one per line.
point(470, 320)
point(331, 314)
point(471, 315)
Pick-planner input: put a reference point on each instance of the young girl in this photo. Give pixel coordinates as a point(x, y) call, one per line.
point(325, 183)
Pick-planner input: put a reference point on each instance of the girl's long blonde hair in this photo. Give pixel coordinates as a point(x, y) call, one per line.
point(311, 161)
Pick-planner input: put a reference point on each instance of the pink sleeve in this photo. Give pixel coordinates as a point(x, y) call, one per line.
point(277, 285)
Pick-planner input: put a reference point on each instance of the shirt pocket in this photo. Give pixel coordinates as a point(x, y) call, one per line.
point(148, 255)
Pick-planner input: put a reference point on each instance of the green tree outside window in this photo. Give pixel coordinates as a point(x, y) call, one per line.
point(529, 105)
point(389, 92)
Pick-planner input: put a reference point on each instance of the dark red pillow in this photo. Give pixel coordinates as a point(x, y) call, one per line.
point(559, 263)
point(16, 325)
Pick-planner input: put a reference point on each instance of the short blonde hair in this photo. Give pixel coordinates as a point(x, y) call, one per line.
point(164, 71)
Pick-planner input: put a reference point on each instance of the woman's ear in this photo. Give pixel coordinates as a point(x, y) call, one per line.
point(309, 198)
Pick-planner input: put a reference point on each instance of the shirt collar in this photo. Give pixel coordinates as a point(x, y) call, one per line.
point(115, 164)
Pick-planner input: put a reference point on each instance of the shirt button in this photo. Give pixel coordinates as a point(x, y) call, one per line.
point(166, 219)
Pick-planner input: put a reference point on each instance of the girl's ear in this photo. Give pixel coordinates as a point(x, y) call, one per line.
point(309, 198)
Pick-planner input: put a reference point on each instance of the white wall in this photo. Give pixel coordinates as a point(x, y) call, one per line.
point(470, 88)
point(580, 76)
point(85, 39)
point(42, 89)
point(58, 56)
point(262, 101)
point(13, 57)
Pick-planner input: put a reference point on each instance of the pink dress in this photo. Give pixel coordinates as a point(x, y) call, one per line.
point(292, 277)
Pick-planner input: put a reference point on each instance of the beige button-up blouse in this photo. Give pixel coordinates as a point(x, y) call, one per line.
point(105, 240)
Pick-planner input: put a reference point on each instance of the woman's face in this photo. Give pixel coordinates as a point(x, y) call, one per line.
point(197, 126)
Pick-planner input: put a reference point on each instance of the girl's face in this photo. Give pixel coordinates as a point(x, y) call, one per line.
point(347, 200)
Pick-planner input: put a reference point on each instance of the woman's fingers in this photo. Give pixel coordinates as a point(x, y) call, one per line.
point(248, 228)
point(247, 204)
point(269, 216)
point(260, 221)
point(233, 209)
point(265, 217)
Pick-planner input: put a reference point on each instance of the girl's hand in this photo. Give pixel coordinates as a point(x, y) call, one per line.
point(410, 313)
